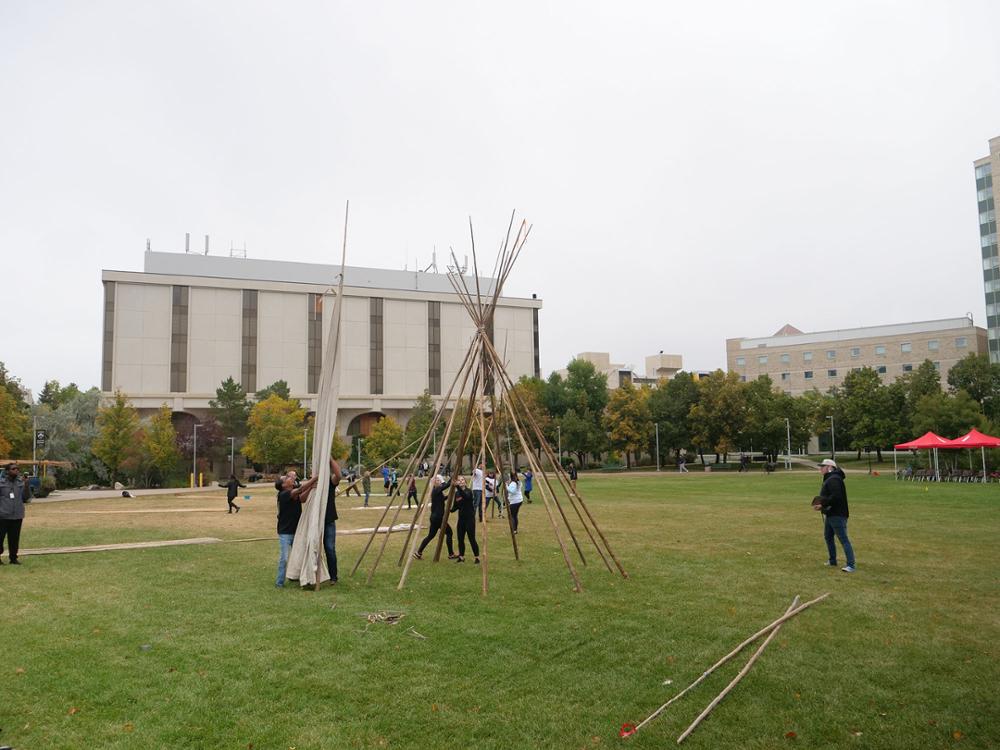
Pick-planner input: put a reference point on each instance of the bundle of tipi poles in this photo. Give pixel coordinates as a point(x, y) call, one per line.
point(493, 402)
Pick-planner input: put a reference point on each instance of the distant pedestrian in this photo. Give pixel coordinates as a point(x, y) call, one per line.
point(682, 463)
point(385, 480)
point(490, 492)
point(232, 490)
point(393, 483)
point(411, 491)
point(572, 475)
point(366, 485)
point(832, 503)
point(514, 499)
point(529, 479)
point(13, 492)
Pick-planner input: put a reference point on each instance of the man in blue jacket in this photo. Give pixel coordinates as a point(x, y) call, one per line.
point(13, 492)
point(832, 503)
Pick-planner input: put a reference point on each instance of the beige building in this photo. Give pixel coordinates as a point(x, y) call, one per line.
point(175, 331)
point(658, 366)
point(798, 362)
point(987, 195)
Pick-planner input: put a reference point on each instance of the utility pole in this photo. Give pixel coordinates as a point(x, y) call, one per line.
point(788, 450)
point(232, 455)
point(559, 435)
point(657, 446)
point(194, 457)
point(833, 439)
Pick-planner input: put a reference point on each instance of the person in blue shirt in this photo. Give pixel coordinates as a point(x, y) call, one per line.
point(529, 479)
point(385, 479)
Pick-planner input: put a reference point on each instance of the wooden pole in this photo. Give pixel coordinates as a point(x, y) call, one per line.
point(787, 616)
point(736, 679)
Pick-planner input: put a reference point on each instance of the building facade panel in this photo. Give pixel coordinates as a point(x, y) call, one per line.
point(354, 378)
point(405, 347)
point(457, 332)
point(281, 340)
point(215, 338)
point(142, 331)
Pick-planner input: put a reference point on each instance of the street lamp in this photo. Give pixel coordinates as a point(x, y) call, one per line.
point(559, 436)
point(232, 455)
point(360, 441)
point(788, 449)
point(657, 446)
point(194, 456)
point(833, 439)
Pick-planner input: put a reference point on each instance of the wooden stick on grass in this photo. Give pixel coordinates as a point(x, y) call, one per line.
point(730, 655)
point(736, 679)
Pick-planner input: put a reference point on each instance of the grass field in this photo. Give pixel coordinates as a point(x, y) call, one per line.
point(194, 647)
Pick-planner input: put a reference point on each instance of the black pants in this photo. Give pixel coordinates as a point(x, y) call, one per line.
point(11, 528)
point(527, 495)
point(232, 506)
point(435, 528)
point(514, 510)
point(467, 528)
point(411, 495)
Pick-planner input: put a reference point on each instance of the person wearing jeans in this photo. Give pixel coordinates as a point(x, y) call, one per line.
point(832, 503)
point(290, 500)
point(330, 522)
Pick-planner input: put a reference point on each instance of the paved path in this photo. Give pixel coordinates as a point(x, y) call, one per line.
point(60, 495)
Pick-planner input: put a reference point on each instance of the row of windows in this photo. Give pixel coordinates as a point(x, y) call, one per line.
point(987, 227)
point(178, 340)
point(375, 375)
point(983, 170)
point(248, 363)
point(988, 239)
point(109, 335)
point(881, 370)
point(986, 205)
point(984, 193)
point(986, 181)
point(434, 347)
point(961, 342)
point(314, 337)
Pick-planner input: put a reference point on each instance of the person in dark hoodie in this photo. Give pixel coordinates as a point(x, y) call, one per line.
point(437, 517)
point(465, 504)
point(832, 503)
point(232, 490)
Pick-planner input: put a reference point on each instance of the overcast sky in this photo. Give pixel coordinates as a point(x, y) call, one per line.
point(693, 171)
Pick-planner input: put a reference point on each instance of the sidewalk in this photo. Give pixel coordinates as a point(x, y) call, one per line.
point(60, 495)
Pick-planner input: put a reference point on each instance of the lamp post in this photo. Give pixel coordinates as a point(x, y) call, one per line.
point(788, 449)
point(232, 455)
point(360, 441)
point(194, 457)
point(657, 446)
point(559, 436)
point(833, 439)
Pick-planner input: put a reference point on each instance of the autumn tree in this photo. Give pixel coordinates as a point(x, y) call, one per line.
point(720, 414)
point(160, 444)
point(626, 419)
point(275, 431)
point(384, 442)
point(278, 388)
point(117, 425)
point(669, 407)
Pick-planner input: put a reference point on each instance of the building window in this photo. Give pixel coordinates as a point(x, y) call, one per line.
point(375, 357)
point(314, 336)
point(856, 352)
point(786, 376)
point(933, 345)
point(785, 359)
point(762, 360)
point(434, 347)
point(741, 361)
point(831, 373)
point(107, 356)
point(880, 350)
point(881, 369)
point(906, 347)
point(179, 340)
point(807, 356)
point(808, 374)
point(831, 353)
point(534, 324)
point(937, 366)
point(907, 368)
point(743, 378)
point(961, 342)
point(248, 357)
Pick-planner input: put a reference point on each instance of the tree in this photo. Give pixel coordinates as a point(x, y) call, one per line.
point(870, 412)
point(160, 444)
point(340, 449)
point(275, 431)
point(980, 378)
point(719, 417)
point(582, 435)
point(948, 415)
point(385, 441)
point(278, 388)
point(627, 420)
point(54, 396)
point(117, 425)
point(767, 409)
point(421, 418)
point(669, 406)
point(15, 422)
point(586, 388)
point(72, 430)
point(231, 409)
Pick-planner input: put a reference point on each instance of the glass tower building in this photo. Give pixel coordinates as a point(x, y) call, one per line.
point(986, 195)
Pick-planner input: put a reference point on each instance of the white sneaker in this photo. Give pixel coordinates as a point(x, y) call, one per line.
point(848, 568)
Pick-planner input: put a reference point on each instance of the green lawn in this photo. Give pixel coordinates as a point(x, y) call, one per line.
point(903, 654)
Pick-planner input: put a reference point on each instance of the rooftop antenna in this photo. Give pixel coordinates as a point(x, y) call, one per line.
point(235, 252)
point(206, 244)
point(187, 242)
point(148, 243)
point(434, 261)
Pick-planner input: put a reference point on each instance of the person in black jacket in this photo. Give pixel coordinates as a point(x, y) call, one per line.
point(232, 490)
point(832, 502)
point(437, 517)
point(465, 504)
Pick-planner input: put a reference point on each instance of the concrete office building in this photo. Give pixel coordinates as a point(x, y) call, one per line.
point(798, 362)
point(176, 330)
point(987, 195)
point(658, 366)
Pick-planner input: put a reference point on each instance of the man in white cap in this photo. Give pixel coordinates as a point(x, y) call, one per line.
point(832, 503)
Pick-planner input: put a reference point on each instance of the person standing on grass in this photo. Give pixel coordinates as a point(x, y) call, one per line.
point(572, 475)
point(529, 479)
point(437, 518)
point(514, 499)
point(366, 485)
point(15, 491)
point(682, 462)
point(330, 522)
point(832, 503)
point(393, 483)
point(490, 490)
point(232, 490)
point(465, 504)
point(290, 500)
point(411, 491)
point(385, 480)
point(477, 490)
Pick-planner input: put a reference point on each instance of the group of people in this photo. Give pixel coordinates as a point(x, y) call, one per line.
point(292, 495)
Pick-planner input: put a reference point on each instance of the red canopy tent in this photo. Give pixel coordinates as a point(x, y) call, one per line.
point(975, 439)
point(928, 441)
